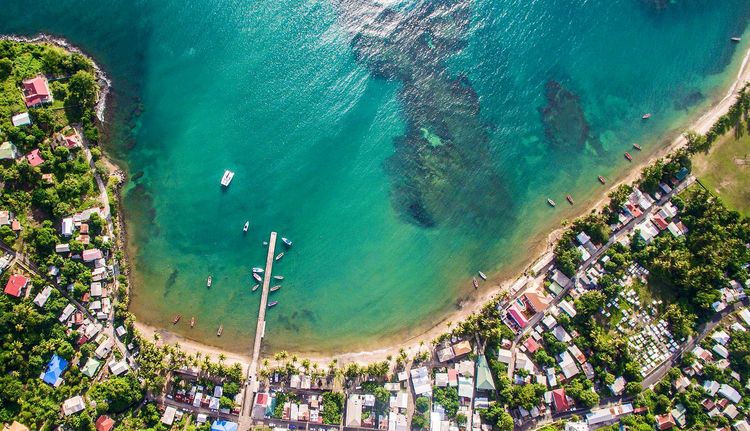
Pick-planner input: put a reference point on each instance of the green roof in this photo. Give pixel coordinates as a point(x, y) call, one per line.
point(484, 375)
point(90, 368)
point(8, 151)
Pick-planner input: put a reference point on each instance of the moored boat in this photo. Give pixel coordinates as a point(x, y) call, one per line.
point(602, 180)
point(220, 330)
point(481, 274)
point(257, 277)
point(736, 39)
point(475, 282)
point(246, 227)
point(275, 288)
point(272, 303)
point(227, 178)
point(646, 116)
point(286, 241)
point(551, 203)
point(192, 321)
point(279, 256)
point(256, 287)
point(637, 147)
point(570, 199)
point(258, 270)
point(278, 277)
point(208, 281)
point(176, 319)
point(628, 156)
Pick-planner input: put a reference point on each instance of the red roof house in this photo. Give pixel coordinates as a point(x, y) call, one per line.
point(531, 345)
point(104, 423)
point(537, 302)
point(659, 222)
point(665, 422)
point(34, 158)
point(16, 284)
point(518, 317)
point(36, 91)
point(560, 400)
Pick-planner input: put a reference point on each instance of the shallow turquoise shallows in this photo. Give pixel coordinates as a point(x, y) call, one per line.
point(402, 145)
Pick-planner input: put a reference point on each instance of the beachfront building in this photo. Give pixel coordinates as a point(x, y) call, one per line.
point(36, 91)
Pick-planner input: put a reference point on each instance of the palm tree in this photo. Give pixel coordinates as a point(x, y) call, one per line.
point(222, 357)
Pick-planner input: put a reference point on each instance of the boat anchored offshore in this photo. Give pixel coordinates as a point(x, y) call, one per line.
point(246, 227)
point(736, 39)
point(286, 241)
point(628, 156)
point(176, 319)
point(278, 277)
point(275, 288)
point(192, 321)
point(227, 178)
point(602, 180)
point(272, 303)
point(481, 274)
point(208, 281)
point(646, 116)
point(637, 147)
point(475, 282)
point(257, 277)
point(220, 330)
point(570, 199)
point(279, 256)
point(551, 203)
point(258, 270)
point(256, 287)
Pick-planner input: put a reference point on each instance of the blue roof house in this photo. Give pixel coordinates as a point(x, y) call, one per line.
point(55, 368)
point(223, 426)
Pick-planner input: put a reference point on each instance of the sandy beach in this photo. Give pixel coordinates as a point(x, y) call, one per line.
point(500, 282)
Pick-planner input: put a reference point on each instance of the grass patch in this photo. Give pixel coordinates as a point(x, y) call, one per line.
point(725, 171)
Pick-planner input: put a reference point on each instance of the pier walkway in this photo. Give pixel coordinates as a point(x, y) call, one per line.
point(260, 329)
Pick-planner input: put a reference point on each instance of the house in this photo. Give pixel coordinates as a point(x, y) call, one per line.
point(560, 400)
point(8, 151)
point(104, 423)
point(73, 405)
point(461, 348)
point(223, 425)
point(36, 91)
point(118, 367)
point(576, 426)
point(730, 393)
point(169, 413)
point(583, 238)
point(16, 284)
point(577, 354)
point(560, 278)
point(517, 316)
point(484, 375)
point(16, 426)
point(665, 422)
point(96, 289)
point(568, 308)
point(6, 217)
point(678, 414)
point(21, 119)
point(420, 380)
point(90, 368)
point(91, 255)
point(618, 386)
point(67, 227)
point(354, 411)
point(561, 334)
point(42, 297)
point(69, 139)
point(505, 356)
point(720, 337)
point(531, 345)
point(55, 368)
point(741, 426)
point(721, 351)
point(659, 221)
point(567, 365)
point(608, 414)
point(537, 302)
point(104, 348)
point(34, 158)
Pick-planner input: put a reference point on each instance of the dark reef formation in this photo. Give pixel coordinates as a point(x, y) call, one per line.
point(565, 125)
point(442, 170)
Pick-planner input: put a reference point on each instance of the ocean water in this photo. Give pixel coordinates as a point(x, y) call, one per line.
point(402, 145)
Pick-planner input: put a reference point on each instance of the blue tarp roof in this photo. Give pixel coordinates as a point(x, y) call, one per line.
point(55, 368)
point(223, 426)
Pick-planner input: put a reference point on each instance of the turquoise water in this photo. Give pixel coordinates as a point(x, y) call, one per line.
point(402, 145)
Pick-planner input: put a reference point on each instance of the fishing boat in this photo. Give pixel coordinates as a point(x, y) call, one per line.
point(637, 147)
point(192, 321)
point(278, 277)
point(258, 270)
point(275, 288)
point(628, 156)
point(256, 287)
point(551, 203)
point(481, 274)
point(246, 227)
point(176, 319)
point(286, 241)
point(602, 180)
point(475, 282)
point(279, 256)
point(272, 303)
point(736, 39)
point(570, 199)
point(208, 281)
point(257, 277)
point(220, 330)
point(646, 116)
point(227, 178)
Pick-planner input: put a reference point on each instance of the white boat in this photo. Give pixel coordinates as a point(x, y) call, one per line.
point(257, 277)
point(227, 178)
point(481, 274)
point(246, 227)
point(258, 270)
point(286, 241)
point(278, 277)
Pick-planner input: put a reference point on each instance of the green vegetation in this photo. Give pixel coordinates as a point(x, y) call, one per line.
point(333, 407)
point(725, 171)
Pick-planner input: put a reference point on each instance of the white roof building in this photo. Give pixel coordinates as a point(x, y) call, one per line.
point(104, 348)
point(96, 289)
point(168, 417)
point(420, 380)
point(354, 411)
point(618, 386)
point(720, 337)
point(730, 393)
point(568, 365)
point(42, 297)
point(711, 387)
point(67, 226)
point(21, 119)
point(721, 351)
point(67, 311)
point(73, 405)
point(118, 367)
point(745, 316)
point(505, 356)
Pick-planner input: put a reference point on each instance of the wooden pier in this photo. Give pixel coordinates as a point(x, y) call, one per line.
point(260, 329)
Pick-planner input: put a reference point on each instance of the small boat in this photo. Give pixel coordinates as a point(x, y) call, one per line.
point(258, 270)
point(279, 256)
point(208, 281)
point(646, 116)
point(272, 303)
point(265, 243)
point(481, 274)
point(176, 319)
point(192, 321)
point(570, 199)
point(736, 39)
point(628, 156)
point(246, 227)
point(286, 241)
point(602, 180)
point(227, 178)
point(220, 330)
point(256, 287)
point(257, 277)
point(278, 277)
point(551, 203)
point(275, 288)
point(475, 282)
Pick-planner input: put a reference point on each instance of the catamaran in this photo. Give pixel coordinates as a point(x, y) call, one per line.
point(246, 227)
point(227, 178)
